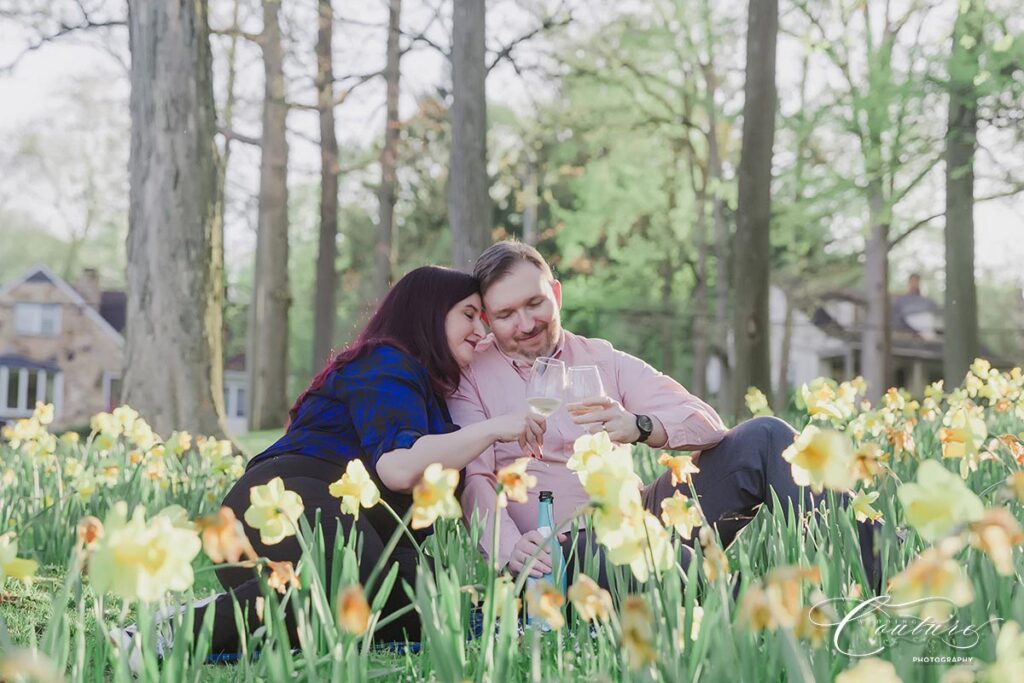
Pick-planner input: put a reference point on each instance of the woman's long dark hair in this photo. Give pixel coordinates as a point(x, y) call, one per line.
point(411, 319)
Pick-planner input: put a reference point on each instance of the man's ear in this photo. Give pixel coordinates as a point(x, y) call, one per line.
point(556, 288)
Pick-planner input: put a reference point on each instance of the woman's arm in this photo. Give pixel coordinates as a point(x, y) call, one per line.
point(401, 468)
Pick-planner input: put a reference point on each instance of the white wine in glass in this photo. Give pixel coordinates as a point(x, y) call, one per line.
point(546, 386)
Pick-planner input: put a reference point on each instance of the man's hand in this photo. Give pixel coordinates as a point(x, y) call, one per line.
point(529, 543)
point(607, 414)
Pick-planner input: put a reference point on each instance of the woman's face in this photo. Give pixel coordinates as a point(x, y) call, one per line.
point(464, 329)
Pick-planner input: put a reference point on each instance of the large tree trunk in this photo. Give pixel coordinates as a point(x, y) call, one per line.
point(268, 316)
point(389, 153)
point(700, 293)
point(469, 205)
point(174, 369)
point(325, 307)
point(753, 215)
point(877, 335)
point(961, 336)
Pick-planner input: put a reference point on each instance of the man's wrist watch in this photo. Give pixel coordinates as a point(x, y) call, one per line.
point(645, 426)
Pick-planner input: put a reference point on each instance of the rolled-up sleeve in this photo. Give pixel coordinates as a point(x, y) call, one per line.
point(479, 497)
point(691, 424)
point(388, 407)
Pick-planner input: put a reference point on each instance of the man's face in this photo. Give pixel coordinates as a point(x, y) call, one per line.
point(522, 311)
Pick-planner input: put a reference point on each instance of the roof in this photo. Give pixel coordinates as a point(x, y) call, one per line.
point(43, 274)
point(114, 308)
point(20, 362)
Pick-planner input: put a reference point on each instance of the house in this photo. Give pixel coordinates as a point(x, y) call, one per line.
point(825, 337)
point(64, 345)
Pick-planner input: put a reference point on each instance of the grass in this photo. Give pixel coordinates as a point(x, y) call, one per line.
point(255, 442)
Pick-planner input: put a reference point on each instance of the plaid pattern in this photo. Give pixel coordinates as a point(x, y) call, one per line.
point(373, 405)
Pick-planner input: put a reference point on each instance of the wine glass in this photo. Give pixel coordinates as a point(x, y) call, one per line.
point(584, 384)
point(546, 386)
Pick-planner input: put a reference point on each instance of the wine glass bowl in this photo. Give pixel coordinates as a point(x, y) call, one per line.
point(546, 386)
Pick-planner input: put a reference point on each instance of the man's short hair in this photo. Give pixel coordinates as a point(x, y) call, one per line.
point(500, 258)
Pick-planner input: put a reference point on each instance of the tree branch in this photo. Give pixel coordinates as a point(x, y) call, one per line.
point(546, 25)
point(240, 137)
point(64, 30)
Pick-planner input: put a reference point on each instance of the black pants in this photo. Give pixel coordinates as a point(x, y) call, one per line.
point(310, 478)
point(736, 477)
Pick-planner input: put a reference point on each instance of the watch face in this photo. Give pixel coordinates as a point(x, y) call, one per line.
point(644, 423)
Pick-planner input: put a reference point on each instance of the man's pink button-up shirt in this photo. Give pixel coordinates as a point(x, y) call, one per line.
point(495, 384)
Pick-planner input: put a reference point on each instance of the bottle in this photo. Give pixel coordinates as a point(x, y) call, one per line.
point(546, 525)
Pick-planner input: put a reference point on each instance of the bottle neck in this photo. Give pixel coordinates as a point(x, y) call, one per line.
point(545, 516)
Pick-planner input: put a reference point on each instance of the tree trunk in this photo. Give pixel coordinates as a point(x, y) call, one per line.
point(700, 294)
point(389, 153)
point(469, 205)
point(325, 307)
point(268, 317)
point(530, 192)
point(877, 336)
point(961, 336)
point(753, 215)
point(782, 380)
point(173, 358)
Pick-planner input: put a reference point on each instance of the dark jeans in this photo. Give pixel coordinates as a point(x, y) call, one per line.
point(310, 478)
point(736, 477)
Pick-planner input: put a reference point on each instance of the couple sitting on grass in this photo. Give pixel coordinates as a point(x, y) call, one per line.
point(424, 382)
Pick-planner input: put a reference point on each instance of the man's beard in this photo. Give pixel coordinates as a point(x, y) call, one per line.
point(552, 331)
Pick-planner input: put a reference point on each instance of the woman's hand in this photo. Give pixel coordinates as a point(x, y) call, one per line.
point(527, 428)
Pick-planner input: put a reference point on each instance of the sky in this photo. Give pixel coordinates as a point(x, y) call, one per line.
point(35, 89)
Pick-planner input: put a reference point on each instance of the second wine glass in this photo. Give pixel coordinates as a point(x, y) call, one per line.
point(584, 383)
point(546, 386)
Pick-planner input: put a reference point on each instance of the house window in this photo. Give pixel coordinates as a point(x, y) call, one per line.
point(21, 388)
point(37, 320)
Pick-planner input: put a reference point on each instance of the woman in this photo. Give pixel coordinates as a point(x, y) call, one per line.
point(381, 400)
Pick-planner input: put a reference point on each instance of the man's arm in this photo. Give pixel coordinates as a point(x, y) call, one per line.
point(480, 491)
point(689, 423)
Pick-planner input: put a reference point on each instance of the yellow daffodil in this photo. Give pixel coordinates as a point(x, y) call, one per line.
point(353, 610)
point(515, 482)
point(90, 530)
point(815, 620)
point(506, 604)
point(870, 670)
point(588, 446)
point(179, 442)
point(224, 539)
point(681, 467)
point(637, 633)
point(1009, 656)
point(19, 664)
point(282, 576)
point(861, 505)
point(821, 458)
point(755, 611)
point(641, 542)
point(43, 413)
point(434, 496)
point(1015, 486)
point(931, 586)
point(757, 402)
point(590, 601)
point(997, 534)
point(142, 561)
point(274, 511)
point(964, 432)
point(10, 564)
point(868, 462)
point(938, 502)
point(545, 601)
point(681, 513)
point(716, 564)
point(355, 488)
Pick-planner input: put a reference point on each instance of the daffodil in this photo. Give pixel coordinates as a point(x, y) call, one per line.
point(716, 564)
point(140, 560)
point(353, 610)
point(641, 542)
point(274, 511)
point(931, 586)
point(224, 539)
point(43, 413)
point(637, 633)
point(868, 462)
point(997, 534)
point(355, 488)
point(681, 467)
point(965, 432)
point(505, 601)
point(545, 601)
point(821, 458)
point(870, 670)
point(681, 513)
point(861, 505)
point(938, 502)
point(10, 564)
point(1015, 485)
point(757, 402)
point(590, 601)
point(1009, 656)
point(282, 576)
point(434, 496)
point(515, 482)
point(815, 620)
point(90, 530)
point(588, 446)
point(609, 479)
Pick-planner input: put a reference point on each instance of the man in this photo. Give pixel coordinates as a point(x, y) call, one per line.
point(522, 301)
